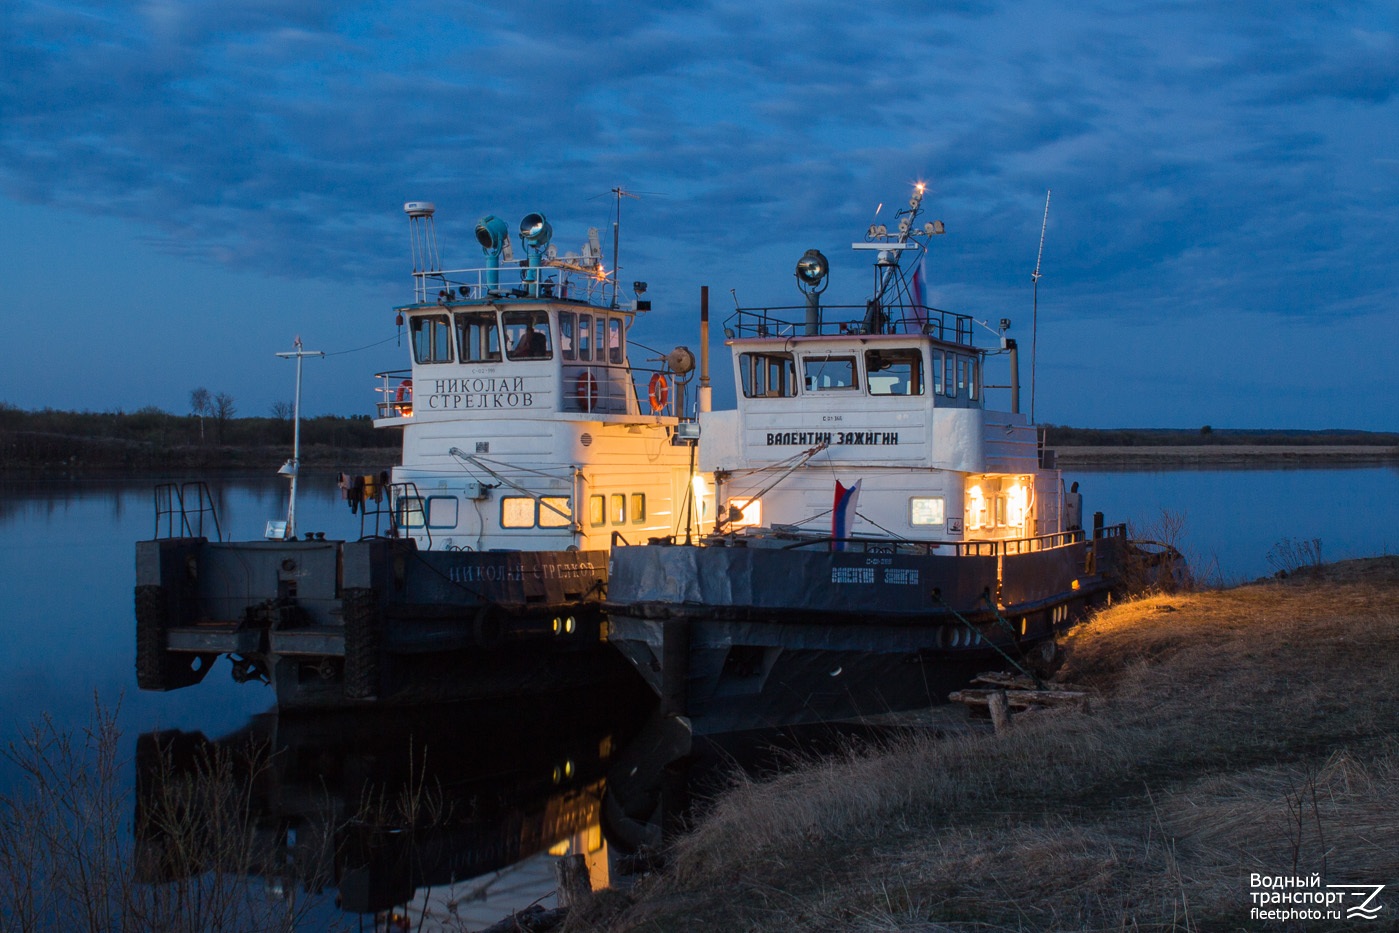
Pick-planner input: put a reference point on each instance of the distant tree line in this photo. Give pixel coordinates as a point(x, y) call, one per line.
point(210, 436)
point(1060, 436)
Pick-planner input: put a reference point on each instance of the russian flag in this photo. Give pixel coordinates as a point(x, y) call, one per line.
point(920, 304)
point(843, 515)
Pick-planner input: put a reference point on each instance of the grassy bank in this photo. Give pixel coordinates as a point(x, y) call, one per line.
point(1237, 732)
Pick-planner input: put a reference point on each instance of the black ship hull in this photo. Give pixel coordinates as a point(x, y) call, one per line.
point(739, 638)
point(332, 624)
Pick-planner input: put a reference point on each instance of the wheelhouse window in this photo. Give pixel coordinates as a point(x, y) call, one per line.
point(478, 337)
point(527, 335)
point(432, 339)
point(567, 321)
point(614, 340)
point(939, 379)
point(894, 372)
point(927, 510)
point(829, 373)
point(585, 337)
point(768, 375)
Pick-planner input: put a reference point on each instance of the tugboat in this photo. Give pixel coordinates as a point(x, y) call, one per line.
point(528, 447)
point(882, 533)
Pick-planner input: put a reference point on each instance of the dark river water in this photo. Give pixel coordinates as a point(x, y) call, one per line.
point(523, 781)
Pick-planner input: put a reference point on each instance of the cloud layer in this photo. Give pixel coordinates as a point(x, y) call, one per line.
point(1209, 162)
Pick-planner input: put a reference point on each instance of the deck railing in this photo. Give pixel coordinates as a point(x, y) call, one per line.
point(837, 320)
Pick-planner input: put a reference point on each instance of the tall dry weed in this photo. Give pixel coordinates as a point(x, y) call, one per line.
point(1248, 730)
point(72, 857)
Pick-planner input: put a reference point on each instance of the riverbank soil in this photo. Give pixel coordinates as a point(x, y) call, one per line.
point(1239, 743)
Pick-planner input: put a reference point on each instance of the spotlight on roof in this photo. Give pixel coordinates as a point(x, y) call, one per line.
point(535, 231)
point(491, 232)
point(812, 270)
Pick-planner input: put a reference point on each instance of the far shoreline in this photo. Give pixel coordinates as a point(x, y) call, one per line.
point(1256, 456)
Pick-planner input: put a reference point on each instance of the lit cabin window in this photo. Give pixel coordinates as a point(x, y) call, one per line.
point(927, 510)
point(894, 372)
point(442, 511)
point(597, 510)
point(517, 512)
point(527, 335)
point(410, 512)
point(614, 340)
point(585, 336)
point(828, 373)
point(432, 339)
point(478, 337)
point(976, 507)
point(768, 375)
point(619, 508)
point(555, 512)
point(638, 507)
point(567, 321)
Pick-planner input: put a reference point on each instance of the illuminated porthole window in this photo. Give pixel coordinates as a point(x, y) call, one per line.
point(927, 510)
point(442, 512)
point(555, 512)
point(517, 512)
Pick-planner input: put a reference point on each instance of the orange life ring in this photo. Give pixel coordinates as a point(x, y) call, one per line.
point(660, 392)
point(586, 391)
point(405, 391)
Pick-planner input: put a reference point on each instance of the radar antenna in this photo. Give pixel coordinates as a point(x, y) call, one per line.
point(620, 192)
point(1035, 319)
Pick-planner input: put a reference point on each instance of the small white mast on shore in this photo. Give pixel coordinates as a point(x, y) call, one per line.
point(292, 467)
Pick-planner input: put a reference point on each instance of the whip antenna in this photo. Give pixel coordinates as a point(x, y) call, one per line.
point(1035, 319)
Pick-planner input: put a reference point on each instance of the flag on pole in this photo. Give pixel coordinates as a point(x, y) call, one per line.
point(920, 304)
point(843, 515)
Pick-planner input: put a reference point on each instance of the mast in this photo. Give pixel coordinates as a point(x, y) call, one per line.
point(292, 467)
point(620, 192)
point(1035, 319)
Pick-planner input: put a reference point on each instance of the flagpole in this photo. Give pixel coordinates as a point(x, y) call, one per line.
point(293, 466)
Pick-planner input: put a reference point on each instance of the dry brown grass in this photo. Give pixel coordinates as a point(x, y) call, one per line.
point(1250, 730)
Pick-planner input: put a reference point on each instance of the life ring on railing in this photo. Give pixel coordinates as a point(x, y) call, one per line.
point(403, 397)
point(586, 391)
point(660, 392)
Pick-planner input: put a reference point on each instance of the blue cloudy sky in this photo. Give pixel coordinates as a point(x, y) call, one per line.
point(185, 186)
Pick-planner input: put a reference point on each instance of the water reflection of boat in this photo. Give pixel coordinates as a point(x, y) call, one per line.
point(527, 448)
point(882, 533)
point(379, 807)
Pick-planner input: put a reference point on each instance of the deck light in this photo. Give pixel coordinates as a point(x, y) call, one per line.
point(812, 270)
point(535, 231)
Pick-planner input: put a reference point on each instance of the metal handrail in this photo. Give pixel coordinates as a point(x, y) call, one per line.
point(790, 321)
point(170, 502)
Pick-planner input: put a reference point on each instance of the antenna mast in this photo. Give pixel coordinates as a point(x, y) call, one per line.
point(620, 192)
point(1035, 320)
